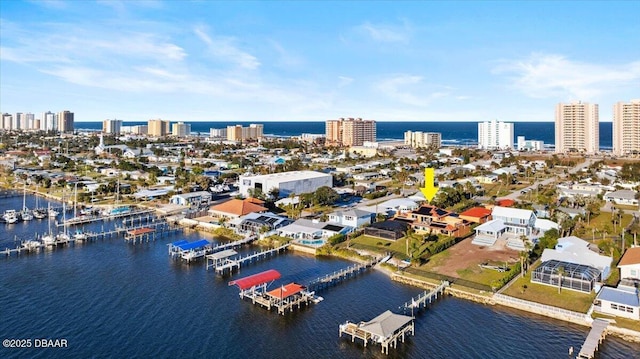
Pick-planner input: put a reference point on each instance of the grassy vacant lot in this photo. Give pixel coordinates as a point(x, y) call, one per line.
point(372, 243)
point(544, 294)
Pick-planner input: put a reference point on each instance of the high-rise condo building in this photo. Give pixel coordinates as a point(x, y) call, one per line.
point(29, 121)
point(238, 133)
point(423, 139)
point(49, 121)
point(158, 128)
point(181, 129)
point(65, 122)
point(495, 135)
point(16, 123)
point(112, 127)
point(350, 131)
point(626, 127)
point(577, 127)
point(7, 121)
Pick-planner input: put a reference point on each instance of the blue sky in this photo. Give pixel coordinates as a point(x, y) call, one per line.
point(316, 60)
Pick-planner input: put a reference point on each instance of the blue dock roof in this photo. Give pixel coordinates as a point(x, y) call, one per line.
point(180, 242)
point(194, 245)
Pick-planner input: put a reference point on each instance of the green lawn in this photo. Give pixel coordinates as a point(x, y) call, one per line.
point(620, 322)
point(544, 294)
point(398, 247)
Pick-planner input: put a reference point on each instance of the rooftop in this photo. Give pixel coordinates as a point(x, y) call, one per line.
point(238, 207)
point(631, 256)
point(386, 324)
point(620, 296)
point(289, 176)
point(477, 212)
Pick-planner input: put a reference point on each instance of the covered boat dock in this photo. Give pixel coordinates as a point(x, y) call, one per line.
point(287, 297)
point(384, 329)
point(189, 251)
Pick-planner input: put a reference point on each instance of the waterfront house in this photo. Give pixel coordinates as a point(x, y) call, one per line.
point(312, 233)
point(517, 221)
point(622, 301)
point(235, 208)
point(191, 199)
point(261, 222)
point(352, 217)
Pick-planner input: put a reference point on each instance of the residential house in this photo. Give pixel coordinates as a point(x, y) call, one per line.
point(352, 217)
point(312, 233)
point(430, 219)
point(391, 229)
point(476, 215)
point(629, 264)
point(623, 301)
point(259, 222)
point(625, 197)
point(235, 208)
point(192, 199)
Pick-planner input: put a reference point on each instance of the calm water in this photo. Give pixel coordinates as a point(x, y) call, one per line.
point(110, 299)
point(463, 133)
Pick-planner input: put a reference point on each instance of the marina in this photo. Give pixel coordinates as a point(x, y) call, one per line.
point(128, 273)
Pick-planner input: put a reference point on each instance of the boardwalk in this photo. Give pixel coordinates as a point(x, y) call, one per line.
point(594, 338)
point(221, 261)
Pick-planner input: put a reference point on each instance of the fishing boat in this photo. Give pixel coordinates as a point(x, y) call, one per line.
point(10, 216)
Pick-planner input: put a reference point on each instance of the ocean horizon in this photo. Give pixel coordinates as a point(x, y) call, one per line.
point(453, 133)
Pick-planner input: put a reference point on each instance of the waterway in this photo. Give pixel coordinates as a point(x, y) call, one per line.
point(112, 299)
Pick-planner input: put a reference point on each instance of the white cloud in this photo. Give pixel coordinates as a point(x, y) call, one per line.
point(224, 48)
point(549, 75)
point(344, 81)
point(385, 32)
point(410, 90)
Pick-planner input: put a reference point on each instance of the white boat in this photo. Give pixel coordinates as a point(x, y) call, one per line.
point(49, 240)
point(31, 245)
point(80, 236)
point(26, 215)
point(10, 216)
point(53, 213)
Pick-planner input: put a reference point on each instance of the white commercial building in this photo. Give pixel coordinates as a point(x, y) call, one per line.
point(529, 145)
point(286, 182)
point(495, 135)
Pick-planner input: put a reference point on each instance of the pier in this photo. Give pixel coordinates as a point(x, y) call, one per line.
point(425, 298)
point(595, 337)
point(334, 278)
point(385, 329)
point(25, 246)
point(233, 244)
point(148, 232)
point(222, 261)
point(189, 251)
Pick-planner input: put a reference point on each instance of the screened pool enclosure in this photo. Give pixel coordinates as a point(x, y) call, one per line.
point(574, 276)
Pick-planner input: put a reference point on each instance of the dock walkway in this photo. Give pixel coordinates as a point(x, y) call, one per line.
point(334, 278)
point(425, 298)
point(594, 338)
point(221, 261)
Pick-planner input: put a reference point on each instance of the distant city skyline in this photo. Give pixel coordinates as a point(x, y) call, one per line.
point(316, 61)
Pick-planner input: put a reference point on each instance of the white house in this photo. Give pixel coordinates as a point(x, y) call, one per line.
point(517, 221)
point(622, 301)
point(622, 197)
point(312, 233)
point(630, 264)
point(192, 199)
point(353, 217)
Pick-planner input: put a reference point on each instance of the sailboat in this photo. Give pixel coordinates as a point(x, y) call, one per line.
point(49, 239)
point(38, 212)
point(25, 214)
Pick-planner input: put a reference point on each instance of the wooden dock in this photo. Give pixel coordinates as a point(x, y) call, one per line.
point(91, 219)
point(334, 278)
point(595, 337)
point(424, 299)
point(234, 244)
point(221, 261)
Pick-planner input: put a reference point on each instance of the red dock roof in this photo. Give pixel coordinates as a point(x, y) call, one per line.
point(139, 231)
point(256, 279)
point(286, 291)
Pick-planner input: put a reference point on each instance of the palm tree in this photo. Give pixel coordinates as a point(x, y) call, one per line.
point(560, 272)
